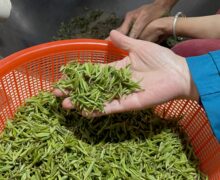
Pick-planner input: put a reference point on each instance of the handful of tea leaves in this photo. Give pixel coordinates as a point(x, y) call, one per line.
point(91, 85)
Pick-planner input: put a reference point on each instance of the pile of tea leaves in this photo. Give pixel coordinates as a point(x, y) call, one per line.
point(46, 142)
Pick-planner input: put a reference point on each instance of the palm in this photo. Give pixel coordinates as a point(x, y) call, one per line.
point(159, 70)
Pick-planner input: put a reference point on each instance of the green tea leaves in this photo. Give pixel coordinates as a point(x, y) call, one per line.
point(46, 142)
point(91, 85)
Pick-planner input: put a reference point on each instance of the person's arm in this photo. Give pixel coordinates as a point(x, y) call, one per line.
point(205, 71)
point(193, 27)
point(199, 27)
point(136, 20)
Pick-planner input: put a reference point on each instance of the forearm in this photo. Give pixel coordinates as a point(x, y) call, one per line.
point(199, 27)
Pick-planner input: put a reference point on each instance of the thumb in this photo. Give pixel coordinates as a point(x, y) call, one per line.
point(121, 41)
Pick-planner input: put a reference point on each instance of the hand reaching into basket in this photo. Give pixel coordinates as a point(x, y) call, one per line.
point(138, 19)
point(204, 27)
point(164, 75)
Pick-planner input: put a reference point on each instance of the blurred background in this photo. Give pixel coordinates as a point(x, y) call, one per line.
point(36, 21)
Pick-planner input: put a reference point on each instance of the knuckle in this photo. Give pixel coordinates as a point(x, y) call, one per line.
point(129, 15)
point(134, 29)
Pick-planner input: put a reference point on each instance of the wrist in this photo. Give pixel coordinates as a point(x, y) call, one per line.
point(189, 90)
point(169, 25)
point(166, 24)
point(181, 26)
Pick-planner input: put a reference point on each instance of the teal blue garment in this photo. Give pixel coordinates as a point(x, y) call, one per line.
point(205, 72)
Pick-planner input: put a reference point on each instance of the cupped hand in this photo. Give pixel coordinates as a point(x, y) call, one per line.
point(164, 76)
point(136, 20)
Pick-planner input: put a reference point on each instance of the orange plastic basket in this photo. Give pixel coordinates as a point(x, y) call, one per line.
point(25, 73)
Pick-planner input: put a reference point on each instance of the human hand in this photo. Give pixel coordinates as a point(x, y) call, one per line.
point(164, 76)
point(200, 28)
point(136, 20)
point(158, 30)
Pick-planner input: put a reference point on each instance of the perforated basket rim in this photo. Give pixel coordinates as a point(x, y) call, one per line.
point(30, 54)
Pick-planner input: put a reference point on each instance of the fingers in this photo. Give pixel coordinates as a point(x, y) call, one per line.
point(153, 35)
point(127, 103)
point(67, 104)
point(126, 25)
point(139, 25)
point(147, 35)
point(59, 93)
